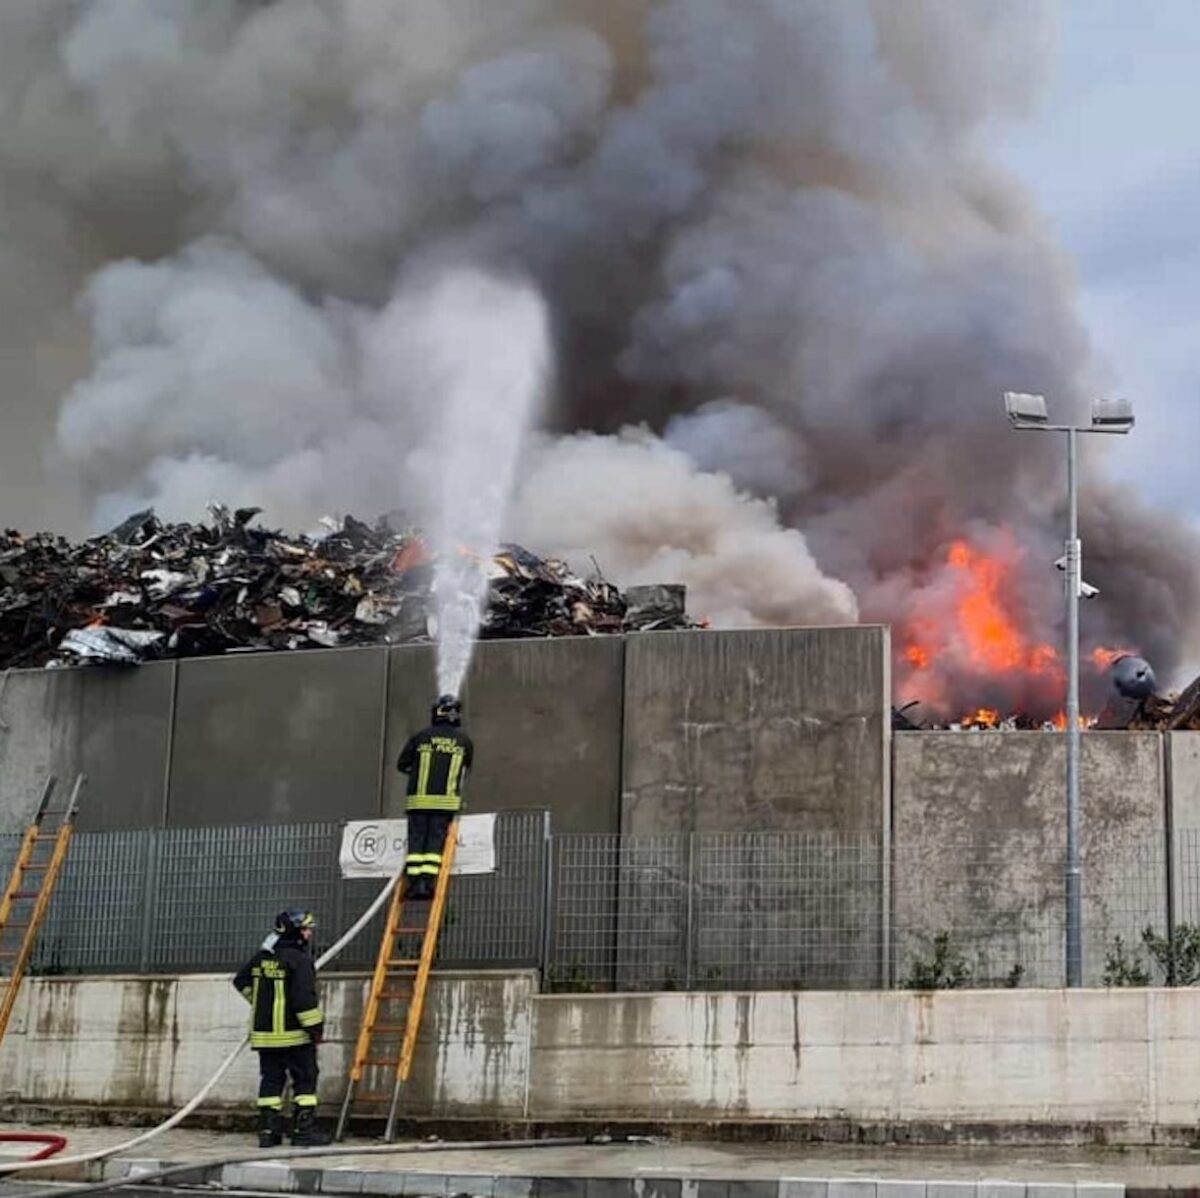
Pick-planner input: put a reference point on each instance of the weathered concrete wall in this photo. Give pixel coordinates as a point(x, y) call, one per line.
point(749, 732)
point(979, 836)
point(1118, 1057)
point(495, 1049)
point(1183, 812)
point(278, 738)
point(112, 724)
point(545, 717)
point(780, 729)
point(153, 1042)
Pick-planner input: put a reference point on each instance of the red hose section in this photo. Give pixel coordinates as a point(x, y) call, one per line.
point(54, 1144)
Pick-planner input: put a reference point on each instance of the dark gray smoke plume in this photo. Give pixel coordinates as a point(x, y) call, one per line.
point(788, 289)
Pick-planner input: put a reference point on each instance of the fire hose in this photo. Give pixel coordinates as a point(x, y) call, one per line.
point(52, 1144)
point(185, 1110)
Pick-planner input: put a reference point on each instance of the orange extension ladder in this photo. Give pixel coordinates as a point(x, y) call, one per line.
point(387, 1039)
point(27, 896)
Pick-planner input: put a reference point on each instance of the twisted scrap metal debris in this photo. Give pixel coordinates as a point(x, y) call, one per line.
point(151, 590)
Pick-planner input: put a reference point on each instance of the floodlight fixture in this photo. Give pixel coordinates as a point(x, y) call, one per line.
point(1112, 415)
point(1025, 410)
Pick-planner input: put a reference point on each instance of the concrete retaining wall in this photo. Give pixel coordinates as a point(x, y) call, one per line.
point(757, 731)
point(114, 725)
point(1182, 761)
point(546, 719)
point(979, 831)
point(154, 1041)
point(493, 1048)
point(784, 728)
point(277, 738)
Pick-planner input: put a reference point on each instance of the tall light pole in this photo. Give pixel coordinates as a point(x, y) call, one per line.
point(1028, 413)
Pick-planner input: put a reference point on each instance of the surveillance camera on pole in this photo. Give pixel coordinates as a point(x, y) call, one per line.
point(1086, 590)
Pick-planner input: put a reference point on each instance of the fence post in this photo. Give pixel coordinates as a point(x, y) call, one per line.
point(547, 894)
point(691, 904)
point(150, 864)
point(339, 883)
point(1171, 870)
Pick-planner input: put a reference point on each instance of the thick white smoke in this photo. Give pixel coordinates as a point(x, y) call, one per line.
point(661, 519)
point(766, 230)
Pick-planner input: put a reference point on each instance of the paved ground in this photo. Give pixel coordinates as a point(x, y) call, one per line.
point(731, 1170)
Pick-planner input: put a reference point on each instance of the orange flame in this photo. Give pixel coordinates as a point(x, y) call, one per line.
point(1085, 721)
point(973, 628)
point(984, 717)
point(918, 656)
point(994, 641)
point(1103, 657)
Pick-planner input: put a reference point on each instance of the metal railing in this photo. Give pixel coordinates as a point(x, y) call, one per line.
point(716, 911)
point(754, 910)
point(997, 904)
point(200, 899)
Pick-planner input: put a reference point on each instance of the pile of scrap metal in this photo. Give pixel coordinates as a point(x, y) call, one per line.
point(910, 719)
point(150, 590)
point(1133, 703)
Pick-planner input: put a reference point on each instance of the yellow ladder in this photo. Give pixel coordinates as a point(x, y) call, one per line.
point(387, 1039)
point(26, 899)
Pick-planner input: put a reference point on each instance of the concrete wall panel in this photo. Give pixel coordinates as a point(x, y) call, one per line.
point(112, 723)
point(1184, 750)
point(152, 1042)
point(1183, 761)
point(979, 842)
point(278, 738)
point(991, 1057)
point(763, 731)
point(1122, 1060)
point(757, 730)
point(545, 716)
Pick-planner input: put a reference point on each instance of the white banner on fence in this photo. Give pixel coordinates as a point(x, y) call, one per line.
point(375, 848)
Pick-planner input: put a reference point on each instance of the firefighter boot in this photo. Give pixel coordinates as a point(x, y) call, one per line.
point(270, 1129)
point(306, 1131)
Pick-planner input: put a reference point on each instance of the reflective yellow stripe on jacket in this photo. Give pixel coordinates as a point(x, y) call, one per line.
point(268, 973)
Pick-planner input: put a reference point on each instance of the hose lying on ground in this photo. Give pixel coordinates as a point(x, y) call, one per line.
point(51, 1144)
point(185, 1110)
point(314, 1154)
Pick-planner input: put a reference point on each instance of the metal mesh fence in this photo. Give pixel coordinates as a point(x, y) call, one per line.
point(788, 910)
point(225, 885)
point(1187, 878)
point(993, 908)
point(611, 912)
point(494, 919)
point(716, 911)
point(200, 899)
point(99, 908)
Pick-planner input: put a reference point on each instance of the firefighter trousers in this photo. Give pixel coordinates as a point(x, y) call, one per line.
point(426, 840)
point(276, 1065)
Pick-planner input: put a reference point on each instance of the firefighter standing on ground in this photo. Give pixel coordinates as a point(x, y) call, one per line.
point(286, 1025)
point(436, 761)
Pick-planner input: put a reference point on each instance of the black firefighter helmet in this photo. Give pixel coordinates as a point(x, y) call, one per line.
point(290, 923)
point(447, 710)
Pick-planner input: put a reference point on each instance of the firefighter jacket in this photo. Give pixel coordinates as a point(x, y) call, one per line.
point(436, 762)
point(281, 988)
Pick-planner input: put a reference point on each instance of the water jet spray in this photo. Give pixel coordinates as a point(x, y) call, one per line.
point(487, 351)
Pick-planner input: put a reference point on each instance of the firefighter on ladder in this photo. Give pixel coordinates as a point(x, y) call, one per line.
point(286, 1024)
point(436, 761)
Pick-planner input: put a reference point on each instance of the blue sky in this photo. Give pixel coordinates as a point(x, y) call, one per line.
point(1112, 156)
